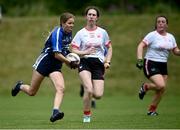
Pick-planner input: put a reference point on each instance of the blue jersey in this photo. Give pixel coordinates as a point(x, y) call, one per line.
point(58, 41)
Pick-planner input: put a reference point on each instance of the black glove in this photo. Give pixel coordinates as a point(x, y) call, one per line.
point(74, 64)
point(139, 64)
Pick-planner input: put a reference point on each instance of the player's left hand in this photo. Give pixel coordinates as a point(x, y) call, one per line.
point(139, 64)
point(107, 65)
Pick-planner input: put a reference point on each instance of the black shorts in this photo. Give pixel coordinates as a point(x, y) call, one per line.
point(93, 65)
point(152, 68)
point(46, 63)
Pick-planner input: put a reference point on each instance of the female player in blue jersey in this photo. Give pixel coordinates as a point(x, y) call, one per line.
point(159, 44)
point(49, 64)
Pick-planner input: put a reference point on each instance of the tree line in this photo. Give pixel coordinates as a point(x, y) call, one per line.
point(55, 7)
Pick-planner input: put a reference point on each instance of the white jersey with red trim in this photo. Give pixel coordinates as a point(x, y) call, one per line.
point(97, 38)
point(159, 46)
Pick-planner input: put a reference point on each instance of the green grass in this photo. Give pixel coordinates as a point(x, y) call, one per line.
point(117, 111)
point(21, 40)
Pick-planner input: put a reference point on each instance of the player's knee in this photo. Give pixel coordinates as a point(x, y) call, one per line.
point(32, 93)
point(161, 87)
point(97, 96)
point(89, 91)
point(60, 89)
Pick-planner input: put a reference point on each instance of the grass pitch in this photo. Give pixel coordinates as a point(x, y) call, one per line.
point(21, 41)
point(112, 112)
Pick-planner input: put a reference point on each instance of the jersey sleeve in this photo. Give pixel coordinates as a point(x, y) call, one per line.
point(76, 40)
point(148, 38)
point(107, 41)
point(56, 40)
point(173, 41)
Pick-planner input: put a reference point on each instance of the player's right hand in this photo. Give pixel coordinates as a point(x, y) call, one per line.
point(74, 64)
point(139, 64)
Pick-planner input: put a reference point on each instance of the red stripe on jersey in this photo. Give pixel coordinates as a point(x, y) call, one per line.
point(109, 43)
point(145, 42)
point(74, 46)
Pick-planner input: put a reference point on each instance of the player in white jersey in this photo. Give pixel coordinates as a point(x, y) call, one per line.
point(91, 42)
point(158, 43)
